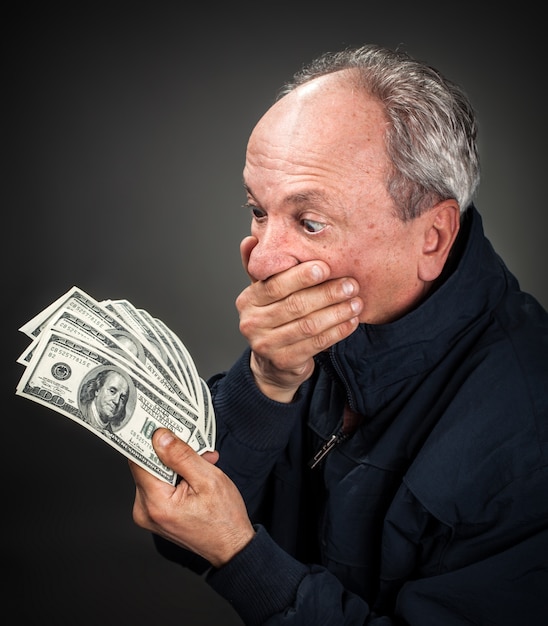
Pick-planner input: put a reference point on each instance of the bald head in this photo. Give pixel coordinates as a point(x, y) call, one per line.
point(326, 117)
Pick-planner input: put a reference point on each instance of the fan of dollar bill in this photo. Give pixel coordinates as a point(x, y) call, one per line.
point(120, 373)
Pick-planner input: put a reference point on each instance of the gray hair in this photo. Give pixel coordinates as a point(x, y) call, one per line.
point(431, 135)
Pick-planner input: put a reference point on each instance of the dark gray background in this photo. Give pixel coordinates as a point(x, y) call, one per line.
point(123, 138)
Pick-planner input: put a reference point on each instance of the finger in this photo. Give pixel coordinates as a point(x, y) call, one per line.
point(290, 346)
point(148, 489)
point(313, 341)
point(327, 321)
point(246, 247)
point(307, 312)
point(146, 481)
point(211, 456)
point(321, 305)
point(294, 279)
point(180, 457)
point(280, 286)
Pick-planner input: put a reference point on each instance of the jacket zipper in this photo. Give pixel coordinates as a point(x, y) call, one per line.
point(340, 436)
point(335, 439)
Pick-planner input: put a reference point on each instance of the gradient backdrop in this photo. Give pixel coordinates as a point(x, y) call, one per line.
point(124, 136)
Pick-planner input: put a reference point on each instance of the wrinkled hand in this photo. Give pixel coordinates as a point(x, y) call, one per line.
point(292, 316)
point(204, 513)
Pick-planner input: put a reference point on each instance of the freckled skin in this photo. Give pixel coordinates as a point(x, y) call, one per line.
point(329, 140)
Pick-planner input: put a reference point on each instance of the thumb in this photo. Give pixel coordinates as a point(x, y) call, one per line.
point(178, 455)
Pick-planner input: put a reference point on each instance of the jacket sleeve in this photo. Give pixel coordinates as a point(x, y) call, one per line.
point(252, 430)
point(266, 586)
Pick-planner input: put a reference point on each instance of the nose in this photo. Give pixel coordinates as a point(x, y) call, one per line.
point(273, 253)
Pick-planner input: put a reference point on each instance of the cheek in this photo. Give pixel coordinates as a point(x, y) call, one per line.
point(376, 266)
point(349, 261)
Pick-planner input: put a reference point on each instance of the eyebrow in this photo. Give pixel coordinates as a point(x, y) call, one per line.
point(303, 197)
point(307, 197)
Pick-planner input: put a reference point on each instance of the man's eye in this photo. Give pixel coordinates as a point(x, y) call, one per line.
point(312, 226)
point(256, 212)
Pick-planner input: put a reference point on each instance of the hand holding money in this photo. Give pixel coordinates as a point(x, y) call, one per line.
point(120, 373)
point(204, 513)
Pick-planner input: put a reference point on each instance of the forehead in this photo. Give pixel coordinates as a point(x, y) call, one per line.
point(326, 133)
point(327, 109)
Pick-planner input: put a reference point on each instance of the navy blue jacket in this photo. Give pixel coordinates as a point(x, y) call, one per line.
point(435, 510)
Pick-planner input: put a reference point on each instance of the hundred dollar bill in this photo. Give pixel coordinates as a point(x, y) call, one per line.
point(182, 356)
point(102, 394)
point(125, 346)
point(145, 328)
point(186, 367)
point(86, 308)
point(36, 324)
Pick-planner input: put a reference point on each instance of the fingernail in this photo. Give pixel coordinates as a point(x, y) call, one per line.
point(317, 272)
point(348, 288)
point(165, 439)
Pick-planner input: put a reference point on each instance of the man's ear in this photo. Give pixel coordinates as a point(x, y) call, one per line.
point(440, 231)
